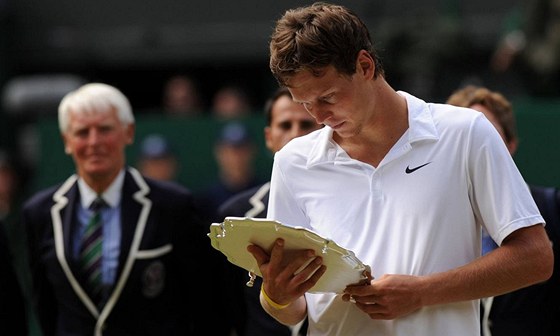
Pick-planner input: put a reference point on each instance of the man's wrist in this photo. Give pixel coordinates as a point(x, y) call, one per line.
point(271, 302)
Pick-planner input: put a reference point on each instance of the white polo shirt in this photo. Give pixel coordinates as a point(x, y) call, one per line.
point(419, 212)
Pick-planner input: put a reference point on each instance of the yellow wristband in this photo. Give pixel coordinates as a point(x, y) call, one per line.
point(271, 302)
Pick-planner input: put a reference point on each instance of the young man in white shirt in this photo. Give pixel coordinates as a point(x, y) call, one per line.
point(404, 184)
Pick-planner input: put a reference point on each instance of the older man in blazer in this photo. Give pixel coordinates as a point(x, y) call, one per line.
point(152, 242)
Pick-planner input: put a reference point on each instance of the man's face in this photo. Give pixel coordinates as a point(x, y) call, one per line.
point(339, 101)
point(289, 120)
point(97, 143)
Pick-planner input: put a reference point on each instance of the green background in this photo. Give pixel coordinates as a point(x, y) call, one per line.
point(192, 140)
point(538, 156)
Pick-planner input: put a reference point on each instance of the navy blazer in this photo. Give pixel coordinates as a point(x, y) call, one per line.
point(163, 245)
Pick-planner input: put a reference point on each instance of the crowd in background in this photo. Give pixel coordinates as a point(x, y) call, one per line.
point(429, 55)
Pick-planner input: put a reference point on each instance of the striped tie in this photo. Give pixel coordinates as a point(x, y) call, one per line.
point(90, 251)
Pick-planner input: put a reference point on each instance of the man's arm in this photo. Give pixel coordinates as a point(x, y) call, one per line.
point(524, 258)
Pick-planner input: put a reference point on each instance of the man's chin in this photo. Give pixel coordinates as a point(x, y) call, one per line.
point(98, 170)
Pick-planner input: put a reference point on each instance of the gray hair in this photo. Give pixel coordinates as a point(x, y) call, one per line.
point(94, 98)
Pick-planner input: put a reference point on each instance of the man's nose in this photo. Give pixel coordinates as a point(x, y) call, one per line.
point(93, 136)
point(297, 130)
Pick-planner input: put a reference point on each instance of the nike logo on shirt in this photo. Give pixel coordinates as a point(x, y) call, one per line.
point(409, 170)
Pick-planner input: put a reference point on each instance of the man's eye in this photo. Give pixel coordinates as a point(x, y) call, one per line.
point(285, 126)
point(106, 128)
point(81, 133)
point(307, 125)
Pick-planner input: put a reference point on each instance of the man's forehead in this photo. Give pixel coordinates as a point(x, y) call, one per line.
point(294, 118)
point(289, 110)
point(307, 86)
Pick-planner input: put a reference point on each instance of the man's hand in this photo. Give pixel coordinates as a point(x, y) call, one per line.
point(287, 274)
point(388, 297)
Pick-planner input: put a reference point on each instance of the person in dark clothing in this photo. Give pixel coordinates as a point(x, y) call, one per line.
point(129, 266)
point(235, 152)
point(285, 120)
point(13, 318)
point(532, 310)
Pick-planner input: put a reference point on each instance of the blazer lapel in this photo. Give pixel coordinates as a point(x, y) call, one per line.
point(130, 213)
point(69, 226)
point(62, 215)
point(135, 207)
point(259, 201)
point(63, 220)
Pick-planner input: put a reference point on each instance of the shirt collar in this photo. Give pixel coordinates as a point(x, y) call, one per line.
point(421, 124)
point(111, 196)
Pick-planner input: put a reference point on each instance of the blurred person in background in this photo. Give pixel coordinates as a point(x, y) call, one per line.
point(15, 278)
point(111, 252)
point(234, 152)
point(530, 46)
point(9, 185)
point(533, 310)
point(13, 316)
point(157, 158)
point(231, 102)
point(285, 120)
point(181, 97)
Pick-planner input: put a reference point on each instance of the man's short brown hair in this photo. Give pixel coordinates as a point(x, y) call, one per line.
point(314, 37)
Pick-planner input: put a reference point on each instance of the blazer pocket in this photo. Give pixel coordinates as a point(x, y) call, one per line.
point(154, 253)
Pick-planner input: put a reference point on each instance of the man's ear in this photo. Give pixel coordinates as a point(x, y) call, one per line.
point(512, 146)
point(365, 64)
point(268, 138)
point(67, 148)
point(130, 131)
